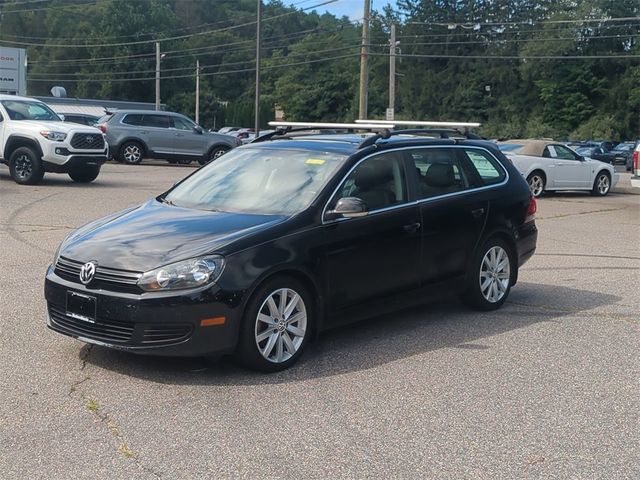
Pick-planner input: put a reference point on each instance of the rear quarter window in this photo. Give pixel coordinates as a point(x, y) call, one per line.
point(132, 119)
point(487, 167)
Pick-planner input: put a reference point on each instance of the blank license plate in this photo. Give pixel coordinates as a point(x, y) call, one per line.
point(81, 306)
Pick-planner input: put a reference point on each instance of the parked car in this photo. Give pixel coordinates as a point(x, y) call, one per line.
point(137, 134)
point(618, 155)
point(34, 140)
point(629, 164)
point(635, 166)
point(80, 118)
point(551, 166)
point(257, 252)
point(227, 130)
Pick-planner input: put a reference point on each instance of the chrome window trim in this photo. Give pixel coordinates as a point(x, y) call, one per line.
point(415, 202)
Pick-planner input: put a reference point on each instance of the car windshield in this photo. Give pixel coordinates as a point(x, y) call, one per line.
point(257, 180)
point(26, 110)
point(623, 147)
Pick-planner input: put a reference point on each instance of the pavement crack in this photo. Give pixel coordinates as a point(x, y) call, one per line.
point(564, 215)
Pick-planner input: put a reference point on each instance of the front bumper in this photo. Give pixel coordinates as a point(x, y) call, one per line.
point(61, 157)
point(615, 179)
point(152, 324)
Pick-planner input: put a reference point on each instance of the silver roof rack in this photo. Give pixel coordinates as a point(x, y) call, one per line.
point(420, 123)
point(347, 126)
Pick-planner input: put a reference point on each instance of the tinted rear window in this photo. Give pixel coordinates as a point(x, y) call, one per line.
point(133, 119)
point(487, 167)
point(158, 121)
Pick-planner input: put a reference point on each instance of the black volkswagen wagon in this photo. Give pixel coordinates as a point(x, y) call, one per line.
point(257, 252)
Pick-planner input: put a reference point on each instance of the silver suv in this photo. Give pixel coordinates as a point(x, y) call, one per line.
point(136, 134)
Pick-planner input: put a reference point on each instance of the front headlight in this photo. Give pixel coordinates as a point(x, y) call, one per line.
point(54, 136)
point(192, 273)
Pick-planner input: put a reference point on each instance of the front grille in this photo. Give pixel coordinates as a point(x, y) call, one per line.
point(165, 334)
point(106, 331)
point(87, 141)
point(112, 279)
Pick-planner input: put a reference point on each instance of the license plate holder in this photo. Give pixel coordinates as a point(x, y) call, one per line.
point(81, 307)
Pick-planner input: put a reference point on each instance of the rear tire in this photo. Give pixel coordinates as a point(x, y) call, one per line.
point(25, 166)
point(601, 185)
point(85, 174)
point(492, 272)
point(537, 183)
point(276, 325)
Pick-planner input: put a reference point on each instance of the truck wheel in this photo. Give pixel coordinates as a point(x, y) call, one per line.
point(131, 153)
point(25, 166)
point(84, 174)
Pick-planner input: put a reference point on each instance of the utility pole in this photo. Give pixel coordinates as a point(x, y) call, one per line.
point(257, 105)
point(157, 75)
point(392, 72)
point(198, 92)
point(364, 70)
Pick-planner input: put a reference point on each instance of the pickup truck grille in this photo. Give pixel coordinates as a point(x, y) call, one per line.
point(105, 278)
point(87, 141)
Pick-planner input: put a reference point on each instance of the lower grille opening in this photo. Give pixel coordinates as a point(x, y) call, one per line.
point(107, 331)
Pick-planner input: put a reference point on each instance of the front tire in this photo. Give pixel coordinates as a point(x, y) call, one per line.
point(601, 185)
point(276, 325)
point(537, 183)
point(25, 166)
point(491, 276)
point(85, 174)
point(131, 153)
point(214, 154)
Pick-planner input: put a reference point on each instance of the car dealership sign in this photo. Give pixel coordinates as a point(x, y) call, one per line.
point(13, 70)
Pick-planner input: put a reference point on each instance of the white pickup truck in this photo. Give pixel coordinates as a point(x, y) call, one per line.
point(34, 140)
point(550, 166)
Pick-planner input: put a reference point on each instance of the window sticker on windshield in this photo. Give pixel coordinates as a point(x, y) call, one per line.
point(315, 161)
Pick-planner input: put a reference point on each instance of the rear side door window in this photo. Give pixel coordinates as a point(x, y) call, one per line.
point(156, 121)
point(487, 167)
point(439, 172)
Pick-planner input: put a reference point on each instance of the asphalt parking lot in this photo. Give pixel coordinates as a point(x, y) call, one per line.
point(546, 387)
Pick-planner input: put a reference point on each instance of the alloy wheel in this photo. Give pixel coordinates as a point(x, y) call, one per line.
point(536, 185)
point(281, 325)
point(603, 184)
point(23, 166)
point(495, 272)
point(132, 154)
point(217, 153)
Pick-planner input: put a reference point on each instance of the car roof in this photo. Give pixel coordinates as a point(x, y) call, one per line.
point(145, 112)
point(16, 97)
point(348, 143)
point(532, 147)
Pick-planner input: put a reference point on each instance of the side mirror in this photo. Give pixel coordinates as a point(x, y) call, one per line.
point(350, 207)
point(61, 116)
point(198, 129)
point(581, 158)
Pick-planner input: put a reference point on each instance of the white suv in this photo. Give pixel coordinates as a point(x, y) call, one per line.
point(34, 140)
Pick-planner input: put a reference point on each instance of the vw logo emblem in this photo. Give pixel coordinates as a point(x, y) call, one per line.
point(87, 272)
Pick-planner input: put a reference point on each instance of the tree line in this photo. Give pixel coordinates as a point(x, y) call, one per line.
point(534, 68)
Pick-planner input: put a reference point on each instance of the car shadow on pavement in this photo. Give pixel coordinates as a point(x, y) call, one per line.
point(370, 343)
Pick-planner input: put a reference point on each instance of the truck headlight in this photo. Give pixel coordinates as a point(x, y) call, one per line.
point(54, 136)
point(192, 273)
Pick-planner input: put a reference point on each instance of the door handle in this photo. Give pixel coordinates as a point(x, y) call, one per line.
point(179, 134)
point(412, 227)
point(477, 213)
point(559, 164)
point(144, 132)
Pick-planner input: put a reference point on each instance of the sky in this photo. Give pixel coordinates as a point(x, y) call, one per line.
point(351, 8)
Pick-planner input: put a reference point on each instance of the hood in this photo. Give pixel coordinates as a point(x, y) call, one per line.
point(39, 125)
point(156, 234)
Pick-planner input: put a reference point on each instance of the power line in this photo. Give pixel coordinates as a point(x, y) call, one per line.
point(293, 54)
point(515, 57)
point(266, 67)
point(516, 40)
point(135, 35)
point(529, 22)
point(167, 39)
